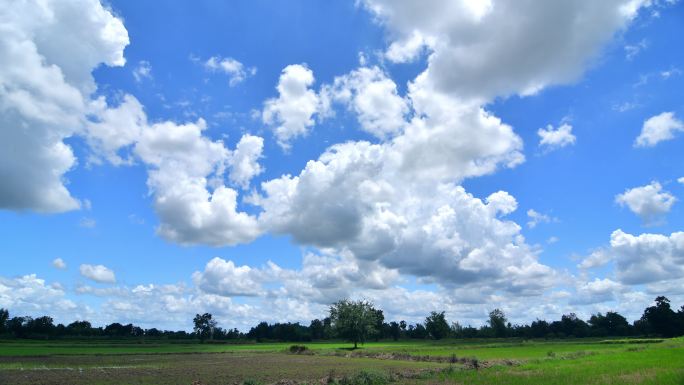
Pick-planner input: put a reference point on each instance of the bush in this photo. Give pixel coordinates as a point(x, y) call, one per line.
point(366, 378)
point(298, 349)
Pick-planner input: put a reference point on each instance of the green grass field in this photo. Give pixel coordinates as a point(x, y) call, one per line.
point(402, 362)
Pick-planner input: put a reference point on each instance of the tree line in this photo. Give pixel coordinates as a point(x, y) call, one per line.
point(360, 321)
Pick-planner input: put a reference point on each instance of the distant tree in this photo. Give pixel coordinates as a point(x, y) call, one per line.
point(259, 332)
point(42, 326)
point(154, 332)
point(317, 329)
point(204, 326)
point(402, 325)
point(354, 320)
point(436, 325)
point(611, 324)
point(328, 331)
point(419, 332)
point(379, 324)
point(79, 328)
point(395, 330)
point(456, 329)
point(661, 319)
point(497, 322)
point(539, 328)
point(680, 321)
point(4, 316)
point(570, 326)
point(17, 326)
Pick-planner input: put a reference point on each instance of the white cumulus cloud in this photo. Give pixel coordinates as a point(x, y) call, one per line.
point(647, 258)
point(49, 49)
point(373, 97)
point(59, 263)
point(554, 138)
point(291, 113)
point(658, 128)
point(97, 273)
point(483, 49)
point(649, 202)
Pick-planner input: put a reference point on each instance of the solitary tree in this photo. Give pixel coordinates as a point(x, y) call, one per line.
point(436, 325)
point(204, 326)
point(354, 321)
point(497, 321)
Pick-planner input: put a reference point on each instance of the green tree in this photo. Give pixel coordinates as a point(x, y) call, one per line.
point(204, 326)
point(4, 316)
point(436, 325)
point(395, 330)
point(660, 318)
point(354, 321)
point(497, 321)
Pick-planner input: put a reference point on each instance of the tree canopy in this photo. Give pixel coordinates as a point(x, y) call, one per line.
point(354, 321)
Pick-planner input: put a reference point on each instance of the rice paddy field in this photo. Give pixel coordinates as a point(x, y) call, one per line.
point(629, 361)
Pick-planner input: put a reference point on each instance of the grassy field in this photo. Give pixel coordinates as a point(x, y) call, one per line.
point(403, 362)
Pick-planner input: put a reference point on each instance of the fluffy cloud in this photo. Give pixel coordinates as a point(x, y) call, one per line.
point(597, 258)
point(657, 129)
point(224, 278)
point(45, 97)
point(555, 138)
point(29, 294)
point(483, 49)
point(111, 131)
point(596, 291)
point(183, 166)
point(647, 258)
point(348, 200)
point(97, 273)
point(373, 97)
point(50, 47)
point(235, 70)
point(186, 171)
point(292, 111)
point(681, 180)
point(649, 202)
point(59, 263)
point(244, 161)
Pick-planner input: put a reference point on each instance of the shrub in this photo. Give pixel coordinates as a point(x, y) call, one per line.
point(298, 349)
point(366, 378)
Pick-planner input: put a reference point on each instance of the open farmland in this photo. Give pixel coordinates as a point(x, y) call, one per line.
point(446, 362)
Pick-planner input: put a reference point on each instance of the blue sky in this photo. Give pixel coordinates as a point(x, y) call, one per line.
point(261, 160)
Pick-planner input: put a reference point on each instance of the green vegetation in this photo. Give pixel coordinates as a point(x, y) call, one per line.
point(37, 351)
point(447, 361)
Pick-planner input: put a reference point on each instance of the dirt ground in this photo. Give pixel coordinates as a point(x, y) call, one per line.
point(187, 369)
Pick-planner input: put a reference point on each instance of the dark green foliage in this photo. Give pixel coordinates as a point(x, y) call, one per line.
point(611, 324)
point(4, 316)
point(204, 326)
point(298, 349)
point(395, 330)
point(436, 325)
point(661, 319)
point(497, 322)
point(354, 321)
point(280, 332)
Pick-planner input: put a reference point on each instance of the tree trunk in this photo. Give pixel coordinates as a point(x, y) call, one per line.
point(354, 344)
